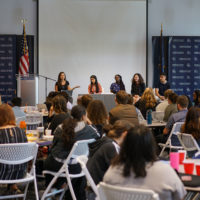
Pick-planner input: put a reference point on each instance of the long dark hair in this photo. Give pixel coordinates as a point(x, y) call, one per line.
point(59, 79)
point(97, 113)
point(68, 133)
point(196, 102)
point(141, 80)
point(121, 84)
point(96, 84)
point(137, 149)
point(192, 123)
point(59, 104)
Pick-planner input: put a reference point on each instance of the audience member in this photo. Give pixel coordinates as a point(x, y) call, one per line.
point(172, 107)
point(122, 110)
point(85, 100)
point(94, 87)
point(67, 97)
point(161, 106)
point(138, 85)
point(10, 133)
point(73, 129)
point(49, 99)
point(189, 102)
point(118, 85)
point(103, 150)
point(162, 86)
point(58, 112)
point(147, 101)
point(16, 104)
point(196, 95)
point(97, 115)
point(182, 103)
point(137, 166)
point(192, 123)
point(130, 99)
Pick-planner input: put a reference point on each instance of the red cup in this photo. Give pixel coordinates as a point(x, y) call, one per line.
point(198, 169)
point(182, 156)
point(188, 167)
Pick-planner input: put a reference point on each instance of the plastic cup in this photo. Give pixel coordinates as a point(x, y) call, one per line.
point(198, 169)
point(174, 160)
point(182, 156)
point(188, 166)
point(40, 131)
point(48, 132)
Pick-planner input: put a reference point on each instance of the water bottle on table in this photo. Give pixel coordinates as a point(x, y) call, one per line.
point(149, 116)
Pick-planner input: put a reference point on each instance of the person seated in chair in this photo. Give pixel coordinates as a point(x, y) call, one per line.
point(16, 104)
point(162, 86)
point(10, 133)
point(137, 166)
point(123, 110)
point(182, 103)
point(73, 129)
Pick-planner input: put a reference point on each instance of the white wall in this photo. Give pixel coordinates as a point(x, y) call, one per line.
point(179, 18)
point(84, 37)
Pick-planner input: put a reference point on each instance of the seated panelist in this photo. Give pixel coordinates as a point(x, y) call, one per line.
point(94, 87)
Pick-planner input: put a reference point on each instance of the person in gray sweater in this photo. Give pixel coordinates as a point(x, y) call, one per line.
point(137, 166)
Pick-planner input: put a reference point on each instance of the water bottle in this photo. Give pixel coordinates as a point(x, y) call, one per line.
point(149, 116)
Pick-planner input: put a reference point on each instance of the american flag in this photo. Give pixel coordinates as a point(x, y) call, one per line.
point(24, 57)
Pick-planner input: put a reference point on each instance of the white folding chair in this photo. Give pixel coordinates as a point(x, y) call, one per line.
point(15, 154)
point(189, 143)
point(108, 192)
point(78, 149)
point(172, 141)
point(19, 119)
point(33, 120)
point(157, 115)
point(83, 160)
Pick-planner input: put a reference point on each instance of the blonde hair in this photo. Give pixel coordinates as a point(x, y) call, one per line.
point(149, 98)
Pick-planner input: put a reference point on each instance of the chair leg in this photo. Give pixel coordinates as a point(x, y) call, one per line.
point(25, 191)
point(49, 186)
point(36, 189)
point(70, 184)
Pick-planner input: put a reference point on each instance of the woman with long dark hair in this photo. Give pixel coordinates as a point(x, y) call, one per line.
point(73, 129)
point(137, 166)
point(138, 85)
point(196, 96)
point(118, 85)
point(63, 84)
point(97, 115)
point(94, 86)
point(192, 123)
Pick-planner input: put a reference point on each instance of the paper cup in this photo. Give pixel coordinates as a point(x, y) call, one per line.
point(188, 166)
point(198, 169)
point(40, 131)
point(174, 160)
point(47, 132)
point(182, 156)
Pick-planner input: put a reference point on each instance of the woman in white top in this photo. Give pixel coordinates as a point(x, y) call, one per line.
point(137, 166)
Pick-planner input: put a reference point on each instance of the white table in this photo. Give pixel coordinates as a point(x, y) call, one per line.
point(154, 124)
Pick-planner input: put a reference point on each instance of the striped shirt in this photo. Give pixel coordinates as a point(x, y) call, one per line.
point(12, 135)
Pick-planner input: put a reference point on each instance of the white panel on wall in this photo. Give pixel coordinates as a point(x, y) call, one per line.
point(83, 38)
point(179, 18)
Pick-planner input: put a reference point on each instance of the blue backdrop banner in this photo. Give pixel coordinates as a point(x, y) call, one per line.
point(184, 64)
point(7, 67)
